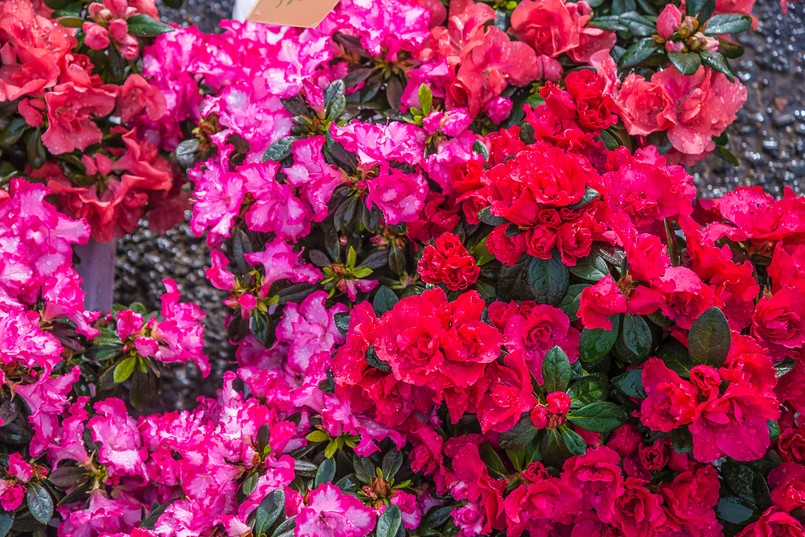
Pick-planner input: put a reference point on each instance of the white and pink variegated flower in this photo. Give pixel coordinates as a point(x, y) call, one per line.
point(182, 330)
point(177, 337)
point(309, 330)
point(328, 512)
point(120, 513)
point(386, 28)
point(275, 209)
point(121, 447)
point(312, 175)
point(407, 502)
point(36, 256)
point(218, 196)
point(377, 144)
point(281, 262)
point(251, 112)
point(400, 196)
point(68, 444)
point(46, 397)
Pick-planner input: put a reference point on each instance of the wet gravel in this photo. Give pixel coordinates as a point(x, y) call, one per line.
point(769, 136)
point(768, 139)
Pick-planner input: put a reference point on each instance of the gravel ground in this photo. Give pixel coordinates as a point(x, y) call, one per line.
point(768, 139)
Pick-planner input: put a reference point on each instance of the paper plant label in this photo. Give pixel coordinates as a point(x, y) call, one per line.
point(304, 13)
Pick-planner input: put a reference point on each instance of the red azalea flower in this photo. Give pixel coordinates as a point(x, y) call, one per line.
point(448, 262)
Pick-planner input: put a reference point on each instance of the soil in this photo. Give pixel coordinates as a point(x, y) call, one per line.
point(768, 139)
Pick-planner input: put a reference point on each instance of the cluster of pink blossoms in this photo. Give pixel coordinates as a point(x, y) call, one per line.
point(469, 295)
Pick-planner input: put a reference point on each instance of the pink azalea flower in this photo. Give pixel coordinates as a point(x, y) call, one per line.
point(398, 195)
point(281, 262)
point(120, 443)
point(328, 512)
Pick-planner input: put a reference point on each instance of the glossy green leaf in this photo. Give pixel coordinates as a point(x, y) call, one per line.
point(40, 504)
point(728, 23)
point(686, 62)
point(142, 25)
point(709, 339)
point(556, 372)
point(600, 417)
point(548, 279)
point(638, 52)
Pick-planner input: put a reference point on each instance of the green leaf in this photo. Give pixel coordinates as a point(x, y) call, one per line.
point(738, 478)
point(717, 61)
point(709, 339)
point(611, 142)
point(384, 300)
point(596, 343)
point(682, 440)
point(702, 8)
point(334, 101)
point(636, 335)
point(592, 268)
point(268, 512)
point(263, 437)
point(279, 150)
point(436, 517)
point(675, 356)
point(286, 529)
point(638, 52)
point(485, 215)
point(374, 360)
point(610, 22)
point(590, 195)
point(518, 437)
point(631, 383)
point(784, 367)
point(728, 23)
point(390, 522)
point(727, 155)
point(600, 417)
point(686, 62)
point(250, 483)
point(71, 22)
point(155, 512)
point(573, 440)
point(142, 25)
point(527, 134)
point(40, 504)
point(637, 24)
point(554, 449)
point(326, 472)
point(570, 302)
point(342, 322)
point(364, 468)
point(549, 279)
point(124, 369)
point(6, 521)
point(392, 462)
point(425, 96)
point(588, 389)
point(304, 468)
point(734, 510)
point(480, 148)
point(556, 372)
point(730, 49)
point(492, 460)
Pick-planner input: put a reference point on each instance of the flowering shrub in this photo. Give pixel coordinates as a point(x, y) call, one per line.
point(472, 290)
point(76, 113)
